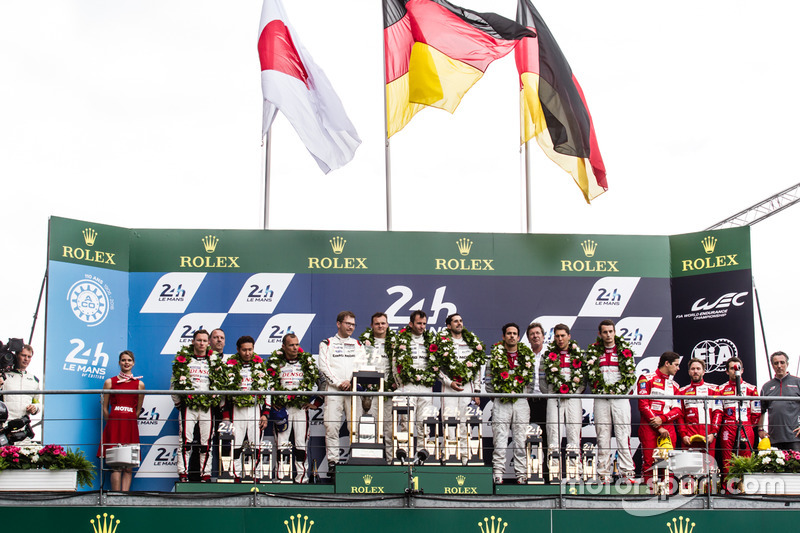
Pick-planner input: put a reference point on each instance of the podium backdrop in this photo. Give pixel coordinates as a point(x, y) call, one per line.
point(147, 290)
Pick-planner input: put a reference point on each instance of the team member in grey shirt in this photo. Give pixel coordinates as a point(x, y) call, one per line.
point(784, 416)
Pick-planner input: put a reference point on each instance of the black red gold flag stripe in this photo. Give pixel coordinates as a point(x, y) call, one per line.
point(397, 53)
point(553, 108)
point(435, 51)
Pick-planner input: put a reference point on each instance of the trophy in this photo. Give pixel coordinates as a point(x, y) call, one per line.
point(366, 430)
point(451, 437)
point(249, 455)
point(533, 453)
point(573, 464)
point(474, 452)
point(402, 430)
point(430, 442)
point(283, 473)
point(661, 466)
point(589, 462)
point(225, 451)
point(554, 464)
point(264, 468)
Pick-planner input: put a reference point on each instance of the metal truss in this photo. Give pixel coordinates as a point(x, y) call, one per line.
point(762, 210)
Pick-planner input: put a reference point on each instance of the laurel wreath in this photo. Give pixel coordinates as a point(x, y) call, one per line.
point(506, 380)
point(404, 363)
point(181, 379)
point(310, 376)
point(553, 370)
point(467, 370)
point(233, 374)
point(627, 367)
point(368, 339)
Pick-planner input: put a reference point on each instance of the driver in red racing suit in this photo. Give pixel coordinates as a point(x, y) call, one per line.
point(657, 414)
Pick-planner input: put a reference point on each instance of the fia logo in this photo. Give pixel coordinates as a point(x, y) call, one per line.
point(715, 353)
point(257, 294)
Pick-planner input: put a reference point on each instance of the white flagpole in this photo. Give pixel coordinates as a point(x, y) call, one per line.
point(387, 147)
point(267, 145)
point(528, 198)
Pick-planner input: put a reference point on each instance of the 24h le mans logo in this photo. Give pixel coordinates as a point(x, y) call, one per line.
point(89, 302)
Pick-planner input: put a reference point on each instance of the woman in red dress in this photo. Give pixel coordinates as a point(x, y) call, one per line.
point(122, 413)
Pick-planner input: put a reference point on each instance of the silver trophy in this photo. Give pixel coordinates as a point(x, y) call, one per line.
point(474, 452)
point(366, 431)
point(225, 451)
point(402, 430)
point(535, 460)
point(554, 464)
point(573, 464)
point(589, 462)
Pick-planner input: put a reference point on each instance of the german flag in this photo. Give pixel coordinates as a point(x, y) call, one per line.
point(435, 51)
point(398, 42)
point(553, 108)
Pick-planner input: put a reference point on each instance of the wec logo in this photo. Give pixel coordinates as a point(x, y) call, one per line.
point(723, 302)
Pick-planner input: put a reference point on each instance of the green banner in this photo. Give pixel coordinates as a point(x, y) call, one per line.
point(442, 520)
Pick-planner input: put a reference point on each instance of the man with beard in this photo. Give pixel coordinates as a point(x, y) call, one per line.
point(461, 372)
point(414, 372)
point(699, 418)
point(510, 371)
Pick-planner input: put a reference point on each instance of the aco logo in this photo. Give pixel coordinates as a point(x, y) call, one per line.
point(589, 264)
point(89, 301)
point(337, 261)
point(709, 261)
point(464, 246)
point(210, 243)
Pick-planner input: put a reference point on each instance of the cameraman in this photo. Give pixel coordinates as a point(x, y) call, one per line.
point(20, 379)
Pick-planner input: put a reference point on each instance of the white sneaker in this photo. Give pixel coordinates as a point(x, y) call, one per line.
point(498, 479)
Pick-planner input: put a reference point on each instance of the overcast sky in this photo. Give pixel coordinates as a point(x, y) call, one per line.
point(148, 114)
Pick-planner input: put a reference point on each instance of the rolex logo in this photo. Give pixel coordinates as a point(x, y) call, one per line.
point(709, 243)
point(679, 526)
point(302, 526)
point(105, 525)
point(492, 525)
point(210, 243)
point(367, 479)
point(337, 244)
point(589, 247)
point(89, 235)
point(464, 246)
point(460, 480)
